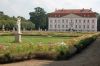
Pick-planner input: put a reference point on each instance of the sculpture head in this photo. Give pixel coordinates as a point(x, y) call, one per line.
point(18, 19)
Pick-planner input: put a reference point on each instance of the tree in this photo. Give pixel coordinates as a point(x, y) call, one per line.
point(98, 22)
point(39, 18)
point(10, 22)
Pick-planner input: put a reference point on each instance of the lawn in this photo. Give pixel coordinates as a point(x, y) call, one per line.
point(33, 39)
point(45, 45)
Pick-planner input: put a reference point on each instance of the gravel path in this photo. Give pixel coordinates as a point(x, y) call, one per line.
point(89, 57)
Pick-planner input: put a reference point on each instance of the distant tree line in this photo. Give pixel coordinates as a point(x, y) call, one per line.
point(9, 23)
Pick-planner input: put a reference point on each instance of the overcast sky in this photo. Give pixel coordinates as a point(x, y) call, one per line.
point(23, 7)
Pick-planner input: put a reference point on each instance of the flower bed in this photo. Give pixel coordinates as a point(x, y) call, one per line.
point(56, 51)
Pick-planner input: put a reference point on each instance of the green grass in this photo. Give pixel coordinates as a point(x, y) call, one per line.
point(33, 39)
point(43, 45)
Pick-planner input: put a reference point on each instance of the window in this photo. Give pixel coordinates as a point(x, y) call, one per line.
point(79, 21)
point(66, 26)
point(92, 21)
point(66, 21)
point(83, 26)
point(88, 21)
point(76, 21)
point(63, 21)
point(62, 26)
point(55, 21)
point(76, 26)
point(58, 26)
point(51, 21)
point(79, 26)
point(84, 21)
point(50, 26)
point(58, 21)
point(92, 26)
point(87, 26)
point(55, 26)
point(71, 20)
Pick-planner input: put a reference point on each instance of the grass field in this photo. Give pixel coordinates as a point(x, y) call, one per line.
point(46, 45)
point(33, 39)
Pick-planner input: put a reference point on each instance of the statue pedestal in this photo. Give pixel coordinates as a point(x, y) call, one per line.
point(18, 37)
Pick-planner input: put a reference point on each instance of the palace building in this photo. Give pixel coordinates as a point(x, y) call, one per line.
point(80, 20)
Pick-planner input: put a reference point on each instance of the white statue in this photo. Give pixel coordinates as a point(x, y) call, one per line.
point(18, 34)
point(18, 24)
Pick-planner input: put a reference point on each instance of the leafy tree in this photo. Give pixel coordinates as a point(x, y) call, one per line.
point(39, 18)
point(10, 22)
point(98, 23)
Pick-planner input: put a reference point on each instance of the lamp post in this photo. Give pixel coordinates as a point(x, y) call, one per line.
point(18, 33)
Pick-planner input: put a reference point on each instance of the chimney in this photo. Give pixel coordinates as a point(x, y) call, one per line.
point(90, 9)
point(82, 10)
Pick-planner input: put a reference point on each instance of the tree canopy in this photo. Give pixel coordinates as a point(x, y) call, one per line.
point(8, 23)
point(39, 18)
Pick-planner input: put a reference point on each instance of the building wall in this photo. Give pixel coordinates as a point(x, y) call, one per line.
point(72, 22)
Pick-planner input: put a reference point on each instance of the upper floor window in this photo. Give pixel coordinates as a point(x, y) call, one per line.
point(88, 21)
point(58, 21)
point(76, 21)
point(66, 21)
point(79, 26)
point(71, 21)
point(50, 21)
point(66, 26)
point(79, 21)
point(84, 21)
point(63, 21)
point(76, 26)
point(92, 21)
point(55, 21)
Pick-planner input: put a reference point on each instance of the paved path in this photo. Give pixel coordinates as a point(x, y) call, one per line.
point(89, 57)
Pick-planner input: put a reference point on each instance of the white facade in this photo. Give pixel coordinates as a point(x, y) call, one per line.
point(72, 22)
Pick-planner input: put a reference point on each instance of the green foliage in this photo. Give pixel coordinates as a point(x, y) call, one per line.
point(39, 18)
point(10, 22)
point(28, 49)
point(98, 23)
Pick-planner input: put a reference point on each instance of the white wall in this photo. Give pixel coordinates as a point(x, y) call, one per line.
point(59, 21)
